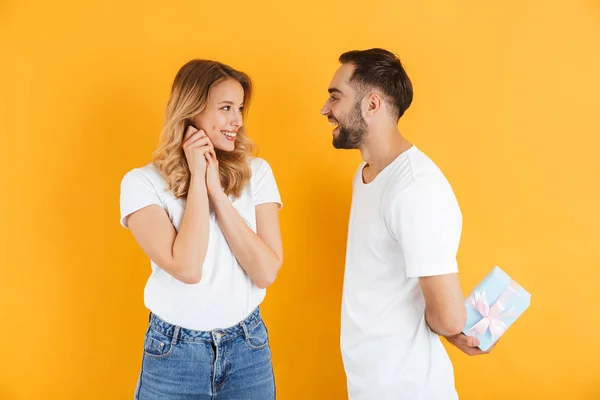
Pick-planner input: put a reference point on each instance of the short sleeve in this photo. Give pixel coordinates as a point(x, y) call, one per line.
point(427, 222)
point(137, 192)
point(264, 187)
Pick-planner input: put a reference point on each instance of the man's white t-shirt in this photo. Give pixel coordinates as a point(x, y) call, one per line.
point(405, 224)
point(226, 295)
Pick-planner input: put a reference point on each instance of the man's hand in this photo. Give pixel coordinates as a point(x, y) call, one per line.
point(468, 344)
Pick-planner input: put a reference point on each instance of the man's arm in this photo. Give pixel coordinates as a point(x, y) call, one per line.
point(444, 305)
point(427, 222)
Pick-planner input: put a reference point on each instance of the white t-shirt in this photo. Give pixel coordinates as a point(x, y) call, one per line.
point(226, 295)
point(404, 224)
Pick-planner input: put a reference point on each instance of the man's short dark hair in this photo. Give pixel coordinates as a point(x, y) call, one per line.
point(382, 70)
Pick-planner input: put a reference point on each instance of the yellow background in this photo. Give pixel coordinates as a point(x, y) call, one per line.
point(506, 102)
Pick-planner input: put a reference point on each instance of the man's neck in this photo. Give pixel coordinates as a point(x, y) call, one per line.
point(380, 149)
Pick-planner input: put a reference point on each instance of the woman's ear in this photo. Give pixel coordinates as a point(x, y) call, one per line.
point(188, 123)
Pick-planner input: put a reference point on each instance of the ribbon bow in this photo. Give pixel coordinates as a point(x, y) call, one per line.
point(492, 316)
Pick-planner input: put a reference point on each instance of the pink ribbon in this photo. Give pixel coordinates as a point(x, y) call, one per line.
point(492, 316)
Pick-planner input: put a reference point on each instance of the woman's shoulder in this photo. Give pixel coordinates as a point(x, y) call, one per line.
point(259, 165)
point(148, 173)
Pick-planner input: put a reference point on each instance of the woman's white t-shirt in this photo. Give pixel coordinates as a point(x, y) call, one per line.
point(226, 295)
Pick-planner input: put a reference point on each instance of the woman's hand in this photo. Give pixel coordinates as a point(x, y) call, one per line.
point(213, 181)
point(195, 146)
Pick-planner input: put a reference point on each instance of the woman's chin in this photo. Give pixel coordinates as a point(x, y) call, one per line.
point(227, 147)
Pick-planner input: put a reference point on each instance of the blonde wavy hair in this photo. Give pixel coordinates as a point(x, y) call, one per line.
point(189, 97)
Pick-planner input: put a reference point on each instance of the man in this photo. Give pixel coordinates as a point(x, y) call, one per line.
point(401, 285)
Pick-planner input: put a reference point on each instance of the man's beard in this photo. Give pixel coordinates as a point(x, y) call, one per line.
point(352, 129)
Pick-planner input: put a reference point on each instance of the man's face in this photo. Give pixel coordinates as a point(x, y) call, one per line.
point(343, 110)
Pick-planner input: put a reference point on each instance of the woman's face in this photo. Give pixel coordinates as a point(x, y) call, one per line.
point(222, 117)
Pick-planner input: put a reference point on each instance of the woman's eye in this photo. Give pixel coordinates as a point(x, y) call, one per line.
point(227, 108)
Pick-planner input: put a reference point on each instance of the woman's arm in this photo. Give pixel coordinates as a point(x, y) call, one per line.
point(181, 254)
point(260, 253)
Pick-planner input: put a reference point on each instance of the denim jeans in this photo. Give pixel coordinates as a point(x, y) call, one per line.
point(224, 364)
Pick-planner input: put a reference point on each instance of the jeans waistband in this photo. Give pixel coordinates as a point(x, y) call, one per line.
point(189, 335)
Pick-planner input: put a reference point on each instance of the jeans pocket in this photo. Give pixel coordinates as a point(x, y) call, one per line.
point(157, 345)
point(257, 337)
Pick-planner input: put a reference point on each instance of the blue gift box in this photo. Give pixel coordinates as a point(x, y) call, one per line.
point(493, 306)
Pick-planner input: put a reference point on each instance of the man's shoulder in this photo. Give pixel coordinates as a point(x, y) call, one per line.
point(418, 178)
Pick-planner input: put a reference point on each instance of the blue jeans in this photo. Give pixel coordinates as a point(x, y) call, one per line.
point(225, 364)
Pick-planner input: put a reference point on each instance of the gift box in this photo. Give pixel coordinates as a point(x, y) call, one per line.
point(493, 306)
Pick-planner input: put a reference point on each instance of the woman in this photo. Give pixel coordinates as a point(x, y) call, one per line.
point(205, 213)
